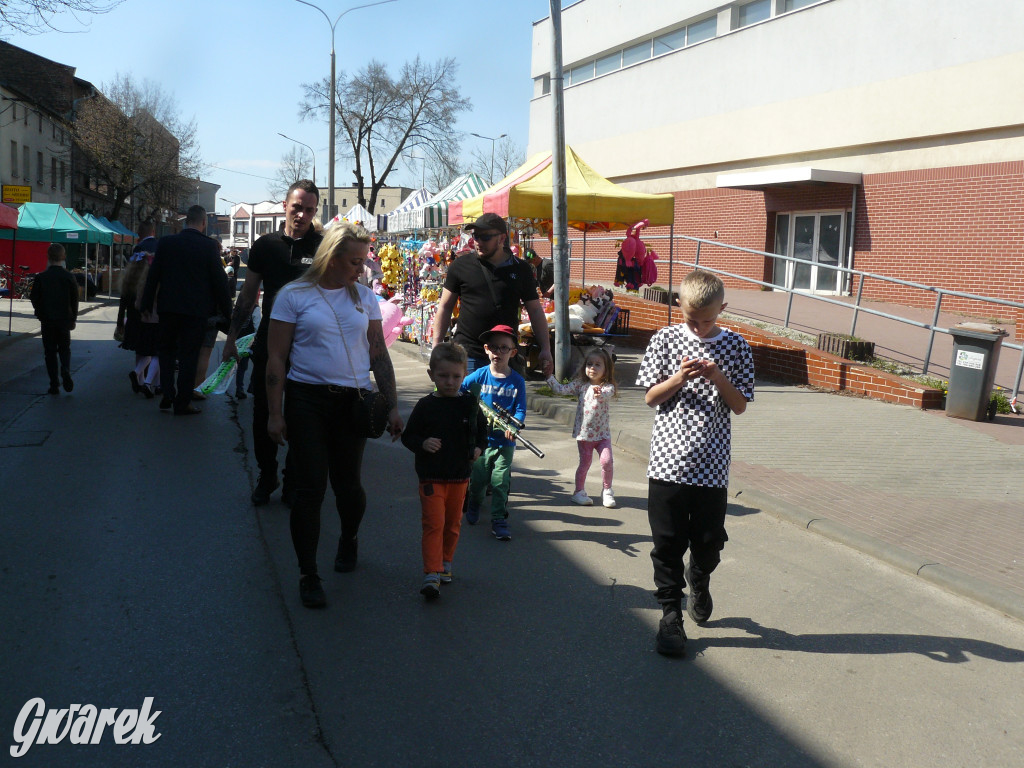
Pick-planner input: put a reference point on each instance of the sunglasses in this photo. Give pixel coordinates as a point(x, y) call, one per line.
point(483, 238)
point(500, 350)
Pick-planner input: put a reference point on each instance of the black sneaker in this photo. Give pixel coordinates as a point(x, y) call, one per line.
point(264, 487)
point(699, 604)
point(348, 555)
point(166, 403)
point(671, 637)
point(53, 390)
point(66, 380)
point(311, 593)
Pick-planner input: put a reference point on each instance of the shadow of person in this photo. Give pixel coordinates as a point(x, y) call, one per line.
point(954, 650)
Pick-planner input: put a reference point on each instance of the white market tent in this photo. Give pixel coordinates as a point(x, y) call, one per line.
point(415, 200)
point(356, 214)
point(433, 214)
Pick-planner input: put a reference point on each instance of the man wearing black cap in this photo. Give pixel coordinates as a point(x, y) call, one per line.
point(492, 284)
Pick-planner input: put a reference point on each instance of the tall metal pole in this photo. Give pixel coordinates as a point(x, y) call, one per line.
point(330, 151)
point(559, 207)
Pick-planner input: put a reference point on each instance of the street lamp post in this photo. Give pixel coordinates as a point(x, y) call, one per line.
point(311, 152)
point(330, 151)
point(488, 138)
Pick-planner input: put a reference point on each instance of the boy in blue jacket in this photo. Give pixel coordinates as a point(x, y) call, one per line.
point(496, 384)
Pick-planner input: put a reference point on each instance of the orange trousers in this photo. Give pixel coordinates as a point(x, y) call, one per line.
point(442, 518)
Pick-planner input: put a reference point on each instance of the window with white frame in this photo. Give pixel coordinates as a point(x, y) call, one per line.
point(39, 168)
point(26, 165)
point(241, 229)
point(795, 5)
point(53, 173)
point(14, 159)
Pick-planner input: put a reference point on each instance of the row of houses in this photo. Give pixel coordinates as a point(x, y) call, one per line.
point(886, 137)
point(40, 158)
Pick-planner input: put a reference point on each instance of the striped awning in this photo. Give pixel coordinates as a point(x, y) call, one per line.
point(433, 213)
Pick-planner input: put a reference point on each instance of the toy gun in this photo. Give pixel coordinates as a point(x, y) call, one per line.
point(508, 423)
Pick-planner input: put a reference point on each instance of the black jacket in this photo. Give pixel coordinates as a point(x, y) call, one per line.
point(188, 273)
point(54, 296)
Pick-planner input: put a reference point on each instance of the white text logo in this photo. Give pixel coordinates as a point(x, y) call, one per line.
point(82, 724)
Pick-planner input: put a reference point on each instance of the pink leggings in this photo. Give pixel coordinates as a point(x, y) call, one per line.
point(604, 451)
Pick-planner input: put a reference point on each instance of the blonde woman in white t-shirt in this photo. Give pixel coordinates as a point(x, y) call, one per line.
point(327, 327)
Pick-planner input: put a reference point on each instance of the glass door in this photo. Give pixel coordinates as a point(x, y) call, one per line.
point(816, 241)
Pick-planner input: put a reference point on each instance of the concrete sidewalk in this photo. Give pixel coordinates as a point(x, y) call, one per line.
point(934, 496)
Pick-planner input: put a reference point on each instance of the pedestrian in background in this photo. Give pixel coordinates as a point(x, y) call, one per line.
point(54, 297)
point(696, 375)
point(447, 431)
point(189, 276)
point(140, 333)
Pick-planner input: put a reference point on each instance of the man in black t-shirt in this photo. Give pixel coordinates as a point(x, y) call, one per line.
point(274, 260)
point(491, 284)
point(545, 271)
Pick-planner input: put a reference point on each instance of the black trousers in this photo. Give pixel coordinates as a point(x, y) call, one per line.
point(263, 447)
point(682, 517)
point(56, 345)
point(181, 336)
point(321, 447)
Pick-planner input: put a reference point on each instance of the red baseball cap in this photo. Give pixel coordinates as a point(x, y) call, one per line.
point(486, 335)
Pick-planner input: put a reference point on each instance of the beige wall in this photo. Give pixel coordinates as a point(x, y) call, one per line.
point(844, 85)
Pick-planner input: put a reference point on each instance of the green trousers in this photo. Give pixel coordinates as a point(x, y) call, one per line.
point(494, 467)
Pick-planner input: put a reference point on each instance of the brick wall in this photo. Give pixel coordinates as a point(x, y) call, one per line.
point(781, 359)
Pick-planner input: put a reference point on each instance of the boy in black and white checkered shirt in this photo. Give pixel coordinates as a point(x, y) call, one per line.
point(696, 375)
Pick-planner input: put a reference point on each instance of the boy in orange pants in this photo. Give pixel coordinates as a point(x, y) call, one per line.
point(447, 432)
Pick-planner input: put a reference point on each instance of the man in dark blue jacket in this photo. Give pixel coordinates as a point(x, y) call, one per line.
point(54, 298)
point(188, 283)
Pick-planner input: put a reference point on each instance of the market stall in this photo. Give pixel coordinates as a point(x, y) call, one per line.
point(433, 213)
point(38, 225)
point(357, 214)
point(415, 200)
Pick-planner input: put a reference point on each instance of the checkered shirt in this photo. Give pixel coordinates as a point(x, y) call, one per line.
point(691, 439)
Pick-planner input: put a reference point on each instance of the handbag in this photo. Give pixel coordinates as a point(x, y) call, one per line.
point(370, 408)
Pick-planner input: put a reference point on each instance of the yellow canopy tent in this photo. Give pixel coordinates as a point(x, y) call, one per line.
point(594, 203)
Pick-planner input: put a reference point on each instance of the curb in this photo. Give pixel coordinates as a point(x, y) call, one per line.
point(6, 341)
point(563, 411)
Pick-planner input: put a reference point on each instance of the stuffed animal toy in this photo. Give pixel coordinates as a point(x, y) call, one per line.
point(392, 320)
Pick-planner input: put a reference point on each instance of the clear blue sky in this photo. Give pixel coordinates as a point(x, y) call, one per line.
point(237, 68)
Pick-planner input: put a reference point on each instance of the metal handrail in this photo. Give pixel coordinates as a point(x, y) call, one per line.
point(932, 327)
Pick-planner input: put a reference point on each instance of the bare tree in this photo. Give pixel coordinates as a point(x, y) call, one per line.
point(508, 155)
point(381, 118)
point(136, 147)
point(295, 165)
point(32, 17)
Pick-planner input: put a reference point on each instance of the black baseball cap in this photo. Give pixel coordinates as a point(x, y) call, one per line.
point(490, 221)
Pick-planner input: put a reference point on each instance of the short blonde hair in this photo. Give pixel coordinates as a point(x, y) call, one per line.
point(700, 289)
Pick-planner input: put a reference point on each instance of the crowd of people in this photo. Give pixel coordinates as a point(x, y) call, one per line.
point(320, 367)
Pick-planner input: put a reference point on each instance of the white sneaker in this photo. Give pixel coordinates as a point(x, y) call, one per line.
point(608, 498)
point(581, 498)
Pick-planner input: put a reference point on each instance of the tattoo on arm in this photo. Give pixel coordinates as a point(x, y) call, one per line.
point(243, 308)
point(383, 370)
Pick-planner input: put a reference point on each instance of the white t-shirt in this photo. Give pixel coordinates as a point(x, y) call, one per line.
point(318, 354)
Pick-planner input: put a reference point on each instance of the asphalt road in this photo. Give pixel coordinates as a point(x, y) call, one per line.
point(132, 566)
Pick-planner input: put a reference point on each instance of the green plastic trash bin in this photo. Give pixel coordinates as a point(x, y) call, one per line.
point(973, 370)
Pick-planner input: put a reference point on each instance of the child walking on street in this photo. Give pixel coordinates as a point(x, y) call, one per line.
point(696, 375)
point(447, 432)
point(594, 386)
point(496, 384)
